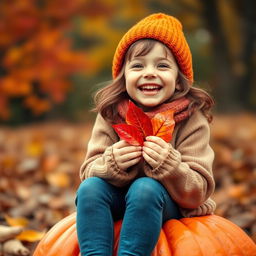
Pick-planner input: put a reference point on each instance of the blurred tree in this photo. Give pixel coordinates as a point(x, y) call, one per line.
point(232, 26)
point(37, 59)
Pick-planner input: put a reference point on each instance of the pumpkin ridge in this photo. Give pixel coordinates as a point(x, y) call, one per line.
point(162, 247)
point(166, 232)
point(73, 247)
point(54, 233)
point(222, 237)
point(61, 244)
point(229, 235)
point(193, 234)
point(179, 228)
point(244, 238)
point(206, 230)
point(216, 238)
point(236, 250)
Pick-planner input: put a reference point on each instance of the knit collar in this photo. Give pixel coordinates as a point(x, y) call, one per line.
point(180, 107)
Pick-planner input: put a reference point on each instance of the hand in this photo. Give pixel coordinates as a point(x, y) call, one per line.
point(155, 150)
point(126, 155)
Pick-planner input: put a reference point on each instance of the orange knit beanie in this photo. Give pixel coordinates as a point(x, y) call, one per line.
point(163, 28)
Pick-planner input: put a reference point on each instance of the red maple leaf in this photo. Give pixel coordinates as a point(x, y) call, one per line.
point(129, 133)
point(138, 125)
point(136, 117)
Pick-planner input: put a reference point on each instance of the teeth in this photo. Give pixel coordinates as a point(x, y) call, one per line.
point(149, 87)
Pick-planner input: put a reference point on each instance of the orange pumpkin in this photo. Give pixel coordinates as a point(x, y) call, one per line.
point(198, 236)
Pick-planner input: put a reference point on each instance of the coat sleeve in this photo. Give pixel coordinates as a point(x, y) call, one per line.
point(99, 160)
point(187, 171)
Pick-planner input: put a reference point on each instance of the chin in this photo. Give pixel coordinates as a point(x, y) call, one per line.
point(148, 107)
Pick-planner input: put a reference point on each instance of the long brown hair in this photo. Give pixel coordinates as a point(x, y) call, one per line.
point(107, 98)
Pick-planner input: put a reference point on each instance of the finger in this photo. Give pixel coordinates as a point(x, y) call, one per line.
point(153, 146)
point(157, 140)
point(149, 160)
point(130, 156)
point(129, 149)
point(130, 163)
point(151, 153)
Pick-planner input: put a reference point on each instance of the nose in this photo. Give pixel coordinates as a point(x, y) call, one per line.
point(149, 73)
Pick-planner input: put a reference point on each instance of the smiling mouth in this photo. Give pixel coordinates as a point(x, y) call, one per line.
point(150, 88)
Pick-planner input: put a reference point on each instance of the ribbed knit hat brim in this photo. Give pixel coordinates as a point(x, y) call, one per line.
point(164, 28)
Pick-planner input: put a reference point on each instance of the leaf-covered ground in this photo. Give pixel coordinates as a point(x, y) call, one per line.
point(39, 168)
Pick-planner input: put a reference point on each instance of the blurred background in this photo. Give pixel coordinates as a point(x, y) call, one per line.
point(53, 56)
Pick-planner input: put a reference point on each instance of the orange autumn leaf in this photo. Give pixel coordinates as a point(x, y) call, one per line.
point(163, 125)
point(34, 148)
point(16, 222)
point(58, 179)
point(50, 162)
point(30, 235)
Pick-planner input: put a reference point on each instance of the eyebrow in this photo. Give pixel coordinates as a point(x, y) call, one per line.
point(157, 59)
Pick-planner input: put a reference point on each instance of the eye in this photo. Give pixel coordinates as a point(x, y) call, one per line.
point(163, 65)
point(137, 65)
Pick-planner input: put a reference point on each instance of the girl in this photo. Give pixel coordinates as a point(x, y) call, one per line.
point(152, 67)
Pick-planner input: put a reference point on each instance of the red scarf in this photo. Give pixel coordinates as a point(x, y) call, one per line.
point(180, 107)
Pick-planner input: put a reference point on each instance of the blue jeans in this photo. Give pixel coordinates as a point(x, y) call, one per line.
point(144, 206)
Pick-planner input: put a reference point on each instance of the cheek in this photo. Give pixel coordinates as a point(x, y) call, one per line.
point(130, 78)
point(128, 86)
point(171, 75)
point(170, 79)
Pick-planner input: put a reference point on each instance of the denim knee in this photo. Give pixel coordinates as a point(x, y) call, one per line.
point(146, 192)
point(92, 189)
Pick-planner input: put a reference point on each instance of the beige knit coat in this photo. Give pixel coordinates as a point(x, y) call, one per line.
point(186, 173)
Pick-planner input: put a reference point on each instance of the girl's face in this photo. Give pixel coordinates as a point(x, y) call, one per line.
point(151, 79)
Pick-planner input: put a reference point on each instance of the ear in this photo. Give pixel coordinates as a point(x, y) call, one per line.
point(178, 87)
